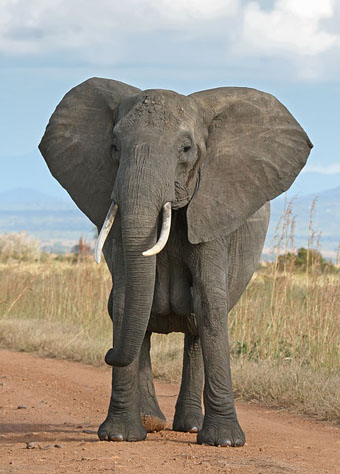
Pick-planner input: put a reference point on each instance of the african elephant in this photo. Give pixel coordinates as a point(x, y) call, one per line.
point(209, 163)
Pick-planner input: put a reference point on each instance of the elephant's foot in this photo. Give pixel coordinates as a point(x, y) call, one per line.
point(188, 419)
point(221, 433)
point(151, 415)
point(118, 428)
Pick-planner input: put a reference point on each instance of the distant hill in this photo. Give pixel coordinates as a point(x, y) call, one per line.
point(22, 199)
point(59, 223)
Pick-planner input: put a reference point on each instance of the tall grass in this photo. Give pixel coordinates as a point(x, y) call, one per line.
point(289, 316)
point(284, 332)
point(57, 308)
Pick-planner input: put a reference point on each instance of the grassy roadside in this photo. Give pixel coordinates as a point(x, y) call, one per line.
point(285, 331)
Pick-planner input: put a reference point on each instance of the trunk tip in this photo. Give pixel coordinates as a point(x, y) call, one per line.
point(118, 360)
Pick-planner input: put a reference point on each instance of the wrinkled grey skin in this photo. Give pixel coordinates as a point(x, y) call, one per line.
point(218, 156)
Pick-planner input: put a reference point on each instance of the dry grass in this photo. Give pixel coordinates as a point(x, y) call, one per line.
point(56, 308)
point(285, 331)
point(289, 385)
point(287, 316)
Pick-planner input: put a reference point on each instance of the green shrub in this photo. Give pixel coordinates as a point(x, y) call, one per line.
point(304, 260)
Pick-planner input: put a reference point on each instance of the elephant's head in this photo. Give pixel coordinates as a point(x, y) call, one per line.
point(222, 153)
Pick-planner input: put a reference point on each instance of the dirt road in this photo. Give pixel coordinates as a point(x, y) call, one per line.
point(57, 406)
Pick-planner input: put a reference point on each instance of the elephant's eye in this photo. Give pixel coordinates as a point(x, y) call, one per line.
point(186, 146)
point(115, 153)
point(185, 150)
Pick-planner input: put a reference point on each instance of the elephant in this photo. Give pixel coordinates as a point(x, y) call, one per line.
point(179, 187)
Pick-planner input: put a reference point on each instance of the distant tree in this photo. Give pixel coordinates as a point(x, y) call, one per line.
point(308, 258)
point(286, 260)
point(304, 259)
point(82, 249)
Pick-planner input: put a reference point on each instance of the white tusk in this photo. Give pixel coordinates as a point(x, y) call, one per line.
point(104, 232)
point(165, 231)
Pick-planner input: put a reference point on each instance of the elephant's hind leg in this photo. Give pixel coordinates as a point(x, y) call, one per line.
point(151, 415)
point(188, 415)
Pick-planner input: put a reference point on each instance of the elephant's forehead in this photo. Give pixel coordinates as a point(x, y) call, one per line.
point(155, 109)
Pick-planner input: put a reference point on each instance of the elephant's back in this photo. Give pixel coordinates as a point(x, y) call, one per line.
point(245, 246)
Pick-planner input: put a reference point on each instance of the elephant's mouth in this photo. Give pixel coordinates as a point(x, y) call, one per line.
point(184, 193)
point(108, 223)
point(182, 196)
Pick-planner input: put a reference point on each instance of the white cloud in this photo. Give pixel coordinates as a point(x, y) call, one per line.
point(329, 169)
point(311, 9)
point(33, 26)
point(299, 38)
point(291, 27)
point(180, 11)
point(302, 34)
point(54, 25)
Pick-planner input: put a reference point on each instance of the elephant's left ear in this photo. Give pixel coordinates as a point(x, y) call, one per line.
point(255, 150)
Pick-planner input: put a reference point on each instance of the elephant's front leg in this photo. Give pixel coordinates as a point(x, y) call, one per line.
point(220, 424)
point(123, 422)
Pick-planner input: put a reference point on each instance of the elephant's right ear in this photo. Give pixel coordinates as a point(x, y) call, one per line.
point(77, 143)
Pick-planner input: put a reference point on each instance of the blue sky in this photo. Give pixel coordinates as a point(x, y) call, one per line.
point(290, 48)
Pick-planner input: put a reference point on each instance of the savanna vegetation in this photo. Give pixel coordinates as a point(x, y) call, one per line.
point(284, 332)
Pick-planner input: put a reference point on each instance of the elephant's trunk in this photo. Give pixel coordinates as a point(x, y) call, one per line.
point(139, 289)
point(141, 193)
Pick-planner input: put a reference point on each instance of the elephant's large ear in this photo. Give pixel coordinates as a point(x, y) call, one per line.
point(77, 143)
point(255, 150)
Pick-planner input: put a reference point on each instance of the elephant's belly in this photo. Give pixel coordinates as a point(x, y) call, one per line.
point(172, 287)
point(164, 324)
point(172, 303)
